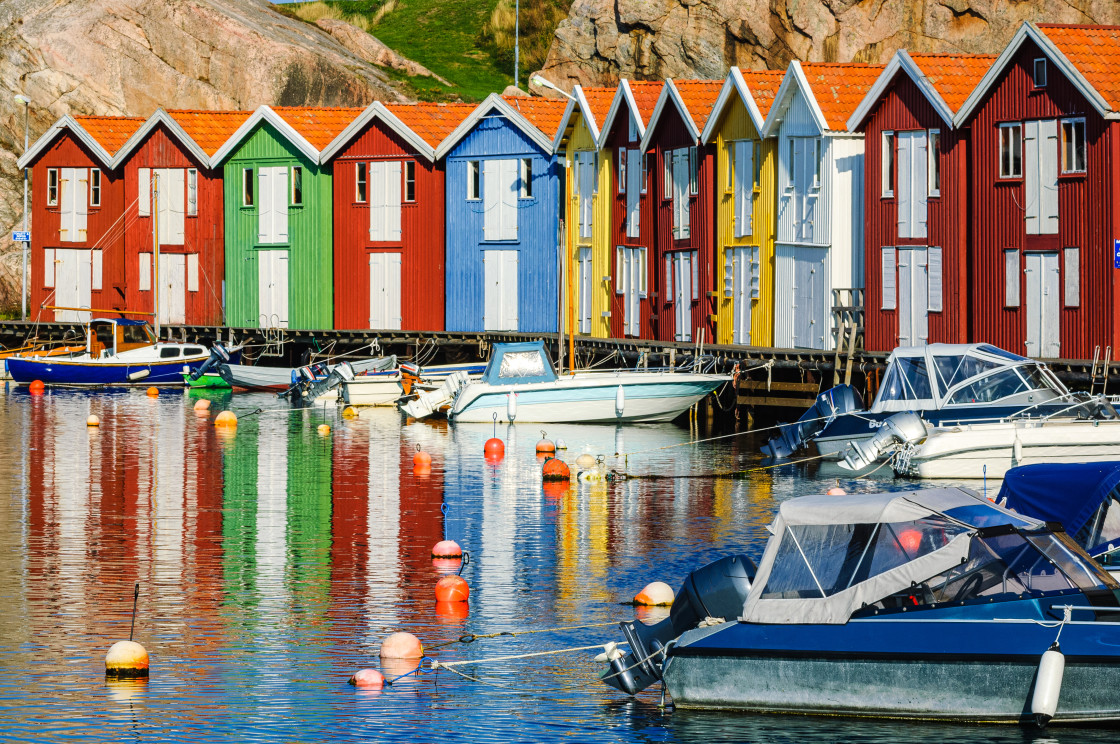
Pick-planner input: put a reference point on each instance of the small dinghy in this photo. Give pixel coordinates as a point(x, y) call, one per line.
point(934, 604)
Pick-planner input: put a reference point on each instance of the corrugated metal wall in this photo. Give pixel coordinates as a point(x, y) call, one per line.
point(737, 125)
point(103, 228)
point(422, 236)
point(310, 263)
point(599, 242)
point(537, 242)
point(620, 137)
point(1086, 214)
point(202, 233)
point(904, 108)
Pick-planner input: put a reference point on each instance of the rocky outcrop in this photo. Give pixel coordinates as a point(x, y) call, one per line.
point(373, 50)
point(132, 56)
point(604, 40)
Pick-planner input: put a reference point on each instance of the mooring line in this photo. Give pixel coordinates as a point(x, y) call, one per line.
point(472, 637)
point(721, 436)
point(729, 475)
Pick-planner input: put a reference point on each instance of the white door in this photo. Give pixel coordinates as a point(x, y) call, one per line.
point(809, 298)
point(1043, 334)
point(584, 290)
point(1040, 177)
point(913, 296)
point(738, 276)
point(385, 291)
point(273, 288)
point(73, 282)
point(499, 312)
point(682, 294)
point(172, 288)
point(634, 266)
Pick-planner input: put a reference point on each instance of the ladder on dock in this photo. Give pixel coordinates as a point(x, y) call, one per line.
point(1098, 373)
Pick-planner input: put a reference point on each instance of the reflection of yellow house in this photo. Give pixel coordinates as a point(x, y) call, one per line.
point(746, 179)
point(588, 212)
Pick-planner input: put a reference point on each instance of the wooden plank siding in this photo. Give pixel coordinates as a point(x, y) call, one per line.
point(1087, 213)
point(600, 239)
point(736, 124)
point(495, 138)
point(104, 227)
point(420, 245)
point(905, 108)
point(310, 278)
point(203, 231)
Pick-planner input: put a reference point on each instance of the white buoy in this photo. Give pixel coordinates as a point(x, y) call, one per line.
point(1048, 684)
point(619, 402)
point(511, 406)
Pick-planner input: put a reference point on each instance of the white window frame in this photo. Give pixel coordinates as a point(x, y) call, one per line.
point(693, 171)
point(622, 170)
point(52, 187)
point(95, 187)
point(1014, 131)
point(667, 170)
point(525, 179)
point(295, 175)
point(145, 277)
point(643, 270)
point(729, 151)
point(1073, 123)
point(644, 159)
point(1012, 268)
point(887, 169)
point(632, 127)
point(408, 192)
point(818, 155)
point(192, 192)
point(361, 183)
point(791, 156)
point(619, 268)
point(933, 167)
point(248, 192)
point(474, 180)
point(1039, 64)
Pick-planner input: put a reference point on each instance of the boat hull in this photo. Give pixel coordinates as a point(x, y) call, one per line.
point(582, 399)
point(372, 390)
point(100, 373)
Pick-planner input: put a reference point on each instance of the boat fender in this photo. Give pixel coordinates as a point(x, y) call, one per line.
point(1048, 684)
point(511, 406)
point(139, 374)
point(1017, 450)
point(619, 401)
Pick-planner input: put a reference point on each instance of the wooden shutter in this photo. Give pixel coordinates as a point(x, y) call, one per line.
point(904, 185)
point(192, 272)
point(192, 191)
point(1011, 278)
point(1072, 271)
point(633, 195)
point(694, 264)
point(667, 168)
point(377, 281)
point(491, 202)
point(145, 272)
point(144, 192)
point(48, 267)
point(264, 205)
point(738, 187)
point(889, 278)
point(280, 206)
point(906, 260)
point(919, 184)
point(619, 269)
point(680, 192)
point(1031, 178)
point(81, 203)
point(729, 272)
point(1048, 176)
point(756, 273)
point(66, 232)
point(935, 273)
point(392, 207)
point(377, 199)
point(586, 191)
point(509, 190)
point(95, 271)
point(176, 205)
point(393, 289)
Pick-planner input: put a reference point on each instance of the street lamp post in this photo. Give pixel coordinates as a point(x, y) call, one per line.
point(26, 245)
point(516, 43)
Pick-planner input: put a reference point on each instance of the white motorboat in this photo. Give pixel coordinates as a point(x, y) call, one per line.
point(385, 387)
point(281, 379)
point(520, 385)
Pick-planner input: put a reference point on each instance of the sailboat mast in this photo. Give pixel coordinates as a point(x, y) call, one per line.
point(155, 251)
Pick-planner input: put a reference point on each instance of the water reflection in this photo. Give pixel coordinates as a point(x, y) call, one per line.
point(273, 560)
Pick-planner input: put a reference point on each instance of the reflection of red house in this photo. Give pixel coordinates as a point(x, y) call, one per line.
point(683, 188)
point(389, 216)
point(174, 148)
point(631, 223)
point(76, 257)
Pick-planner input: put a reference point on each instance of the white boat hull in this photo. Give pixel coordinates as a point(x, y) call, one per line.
point(990, 450)
point(586, 398)
point(380, 390)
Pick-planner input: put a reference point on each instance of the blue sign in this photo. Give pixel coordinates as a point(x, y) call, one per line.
point(25, 237)
point(1116, 253)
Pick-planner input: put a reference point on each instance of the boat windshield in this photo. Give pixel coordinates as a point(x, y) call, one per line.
point(1027, 382)
point(821, 560)
point(136, 334)
point(1104, 526)
point(1008, 565)
point(907, 379)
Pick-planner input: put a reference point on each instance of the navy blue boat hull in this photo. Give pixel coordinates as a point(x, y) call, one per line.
point(62, 372)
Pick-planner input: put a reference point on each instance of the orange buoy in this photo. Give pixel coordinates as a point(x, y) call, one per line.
point(401, 645)
point(452, 589)
point(369, 678)
point(447, 549)
point(422, 471)
point(126, 659)
point(444, 566)
point(494, 447)
point(421, 457)
point(92, 420)
point(202, 404)
point(153, 392)
point(555, 469)
point(555, 490)
point(452, 612)
point(323, 430)
point(349, 412)
point(837, 491)
point(36, 387)
point(655, 594)
point(226, 420)
point(545, 446)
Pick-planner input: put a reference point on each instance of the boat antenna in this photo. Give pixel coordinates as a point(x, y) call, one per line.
point(135, 596)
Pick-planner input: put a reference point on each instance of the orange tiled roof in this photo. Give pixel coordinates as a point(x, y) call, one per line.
point(645, 95)
point(317, 125)
point(111, 132)
point(209, 129)
point(431, 121)
point(543, 113)
point(763, 85)
point(699, 97)
point(599, 100)
point(954, 76)
point(839, 88)
point(1094, 51)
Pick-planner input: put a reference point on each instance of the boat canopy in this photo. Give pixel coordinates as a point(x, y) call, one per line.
point(831, 556)
point(930, 377)
point(1083, 497)
point(519, 364)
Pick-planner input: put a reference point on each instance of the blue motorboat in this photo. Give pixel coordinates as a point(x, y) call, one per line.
point(943, 384)
point(933, 604)
point(119, 351)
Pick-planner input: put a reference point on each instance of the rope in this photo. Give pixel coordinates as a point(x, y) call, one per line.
point(471, 637)
point(448, 664)
point(731, 474)
point(721, 436)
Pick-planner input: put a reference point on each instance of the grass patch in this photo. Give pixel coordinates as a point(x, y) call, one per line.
point(469, 42)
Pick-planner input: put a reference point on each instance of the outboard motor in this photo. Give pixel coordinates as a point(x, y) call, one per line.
point(717, 590)
point(311, 388)
point(218, 356)
point(901, 428)
point(831, 403)
point(410, 375)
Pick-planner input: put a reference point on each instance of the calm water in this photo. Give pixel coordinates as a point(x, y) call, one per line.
point(273, 562)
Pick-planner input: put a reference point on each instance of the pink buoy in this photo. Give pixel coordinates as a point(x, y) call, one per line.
point(447, 549)
point(369, 678)
point(402, 646)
